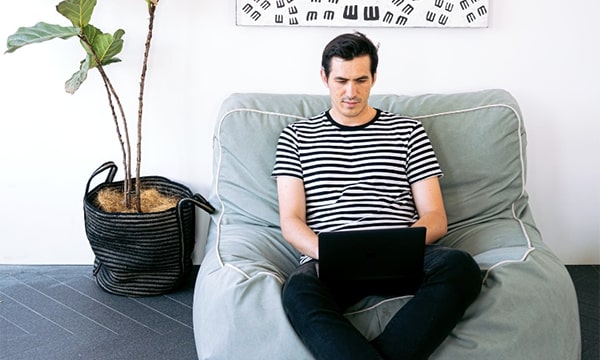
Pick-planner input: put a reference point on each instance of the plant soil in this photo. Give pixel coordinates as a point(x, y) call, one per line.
point(112, 200)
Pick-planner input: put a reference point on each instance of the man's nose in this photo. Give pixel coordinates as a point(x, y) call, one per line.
point(350, 89)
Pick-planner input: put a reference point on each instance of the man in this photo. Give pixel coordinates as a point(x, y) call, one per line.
point(357, 167)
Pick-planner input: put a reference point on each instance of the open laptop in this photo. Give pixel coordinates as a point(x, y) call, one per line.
point(380, 262)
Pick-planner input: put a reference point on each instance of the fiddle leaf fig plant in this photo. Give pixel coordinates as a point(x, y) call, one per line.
point(101, 49)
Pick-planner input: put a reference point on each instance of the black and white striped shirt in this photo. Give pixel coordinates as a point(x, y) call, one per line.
point(357, 177)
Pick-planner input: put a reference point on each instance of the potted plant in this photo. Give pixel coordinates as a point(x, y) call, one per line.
point(138, 250)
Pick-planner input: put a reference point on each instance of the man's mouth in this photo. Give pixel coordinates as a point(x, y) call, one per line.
point(351, 102)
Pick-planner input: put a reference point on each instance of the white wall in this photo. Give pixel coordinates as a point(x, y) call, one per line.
point(545, 52)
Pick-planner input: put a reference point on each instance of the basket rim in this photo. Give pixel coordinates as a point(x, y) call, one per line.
point(173, 188)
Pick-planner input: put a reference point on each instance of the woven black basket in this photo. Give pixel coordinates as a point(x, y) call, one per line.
point(142, 254)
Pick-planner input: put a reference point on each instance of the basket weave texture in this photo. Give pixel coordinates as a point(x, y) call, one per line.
point(142, 254)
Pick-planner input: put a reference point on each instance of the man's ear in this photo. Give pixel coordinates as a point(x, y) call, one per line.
point(324, 77)
point(374, 78)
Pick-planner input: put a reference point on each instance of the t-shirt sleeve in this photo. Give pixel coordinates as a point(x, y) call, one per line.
point(422, 162)
point(287, 155)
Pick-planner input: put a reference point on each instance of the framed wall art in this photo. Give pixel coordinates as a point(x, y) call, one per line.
point(363, 13)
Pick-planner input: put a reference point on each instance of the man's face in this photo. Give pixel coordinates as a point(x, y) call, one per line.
point(350, 83)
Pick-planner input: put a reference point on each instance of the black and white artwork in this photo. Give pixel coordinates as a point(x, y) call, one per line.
point(363, 13)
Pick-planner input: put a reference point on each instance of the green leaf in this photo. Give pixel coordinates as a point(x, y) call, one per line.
point(111, 61)
point(113, 47)
point(40, 32)
point(79, 77)
point(79, 12)
point(90, 33)
point(104, 46)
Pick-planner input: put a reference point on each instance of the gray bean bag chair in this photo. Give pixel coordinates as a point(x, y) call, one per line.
point(527, 308)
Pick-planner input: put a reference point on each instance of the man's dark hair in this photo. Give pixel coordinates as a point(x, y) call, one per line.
point(348, 46)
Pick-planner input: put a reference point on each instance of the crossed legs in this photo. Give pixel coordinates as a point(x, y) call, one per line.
point(452, 282)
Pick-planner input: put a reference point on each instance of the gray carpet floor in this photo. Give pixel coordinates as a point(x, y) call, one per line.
point(58, 312)
point(587, 284)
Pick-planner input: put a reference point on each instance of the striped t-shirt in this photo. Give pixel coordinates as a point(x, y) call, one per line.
point(357, 177)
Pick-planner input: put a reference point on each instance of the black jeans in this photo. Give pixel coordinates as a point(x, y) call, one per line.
point(452, 282)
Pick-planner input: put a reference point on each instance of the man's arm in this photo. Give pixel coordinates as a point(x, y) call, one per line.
point(430, 206)
point(292, 216)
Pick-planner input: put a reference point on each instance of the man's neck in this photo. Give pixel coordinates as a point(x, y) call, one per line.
point(361, 119)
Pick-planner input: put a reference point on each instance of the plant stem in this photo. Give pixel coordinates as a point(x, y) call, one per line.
point(127, 186)
point(120, 136)
point(125, 146)
point(151, 11)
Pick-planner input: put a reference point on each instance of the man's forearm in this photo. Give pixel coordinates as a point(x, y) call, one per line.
point(436, 225)
point(297, 233)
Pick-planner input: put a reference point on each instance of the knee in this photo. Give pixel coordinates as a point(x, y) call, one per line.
point(298, 283)
point(464, 265)
point(460, 270)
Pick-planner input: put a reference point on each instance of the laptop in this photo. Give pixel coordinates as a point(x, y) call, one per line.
point(378, 262)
